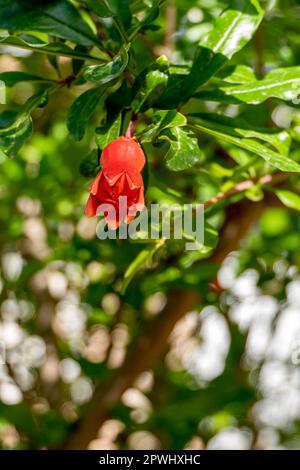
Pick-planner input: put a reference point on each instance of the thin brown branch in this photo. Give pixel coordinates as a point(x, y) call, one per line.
point(170, 31)
point(272, 179)
point(152, 344)
point(259, 48)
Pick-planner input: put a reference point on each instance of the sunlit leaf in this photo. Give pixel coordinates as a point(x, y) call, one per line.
point(231, 31)
point(282, 83)
point(184, 151)
point(105, 73)
point(237, 74)
point(162, 120)
point(16, 126)
point(288, 198)
point(152, 88)
point(245, 138)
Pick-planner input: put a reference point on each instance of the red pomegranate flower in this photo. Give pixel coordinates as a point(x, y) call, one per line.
point(122, 162)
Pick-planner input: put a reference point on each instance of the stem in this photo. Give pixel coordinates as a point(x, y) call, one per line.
point(259, 48)
point(130, 129)
point(244, 185)
point(171, 18)
point(120, 29)
point(152, 343)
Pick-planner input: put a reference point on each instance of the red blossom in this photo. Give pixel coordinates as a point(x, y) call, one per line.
point(122, 162)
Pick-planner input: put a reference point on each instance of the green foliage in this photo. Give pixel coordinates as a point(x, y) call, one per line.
point(215, 107)
point(105, 73)
point(184, 151)
point(232, 30)
point(283, 84)
point(109, 132)
point(59, 18)
point(81, 111)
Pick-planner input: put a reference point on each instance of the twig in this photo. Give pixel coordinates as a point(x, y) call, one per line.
point(170, 28)
point(151, 345)
point(274, 178)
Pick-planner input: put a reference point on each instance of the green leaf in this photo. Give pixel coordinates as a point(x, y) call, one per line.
point(283, 83)
point(237, 74)
point(184, 151)
point(152, 88)
point(277, 138)
point(119, 9)
point(209, 242)
point(150, 16)
point(105, 73)
point(232, 30)
point(234, 27)
point(16, 131)
point(77, 64)
point(11, 78)
point(288, 198)
point(143, 260)
point(108, 133)
point(29, 42)
point(16, 126)
point(99, 7)
point(58, 17)
point(241, 137)
point(89, 166)
point(162, 120)
point(81, 111)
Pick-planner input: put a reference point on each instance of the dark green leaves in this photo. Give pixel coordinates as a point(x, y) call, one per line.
point(232, 131)
point(11, 78)
point(104, 73)
point(184, 151)
point(81, 111)
point(89, 166)
point(58, 17)
point(279, 83)
point(99, 7)
point(27, 41)
point(120, 10)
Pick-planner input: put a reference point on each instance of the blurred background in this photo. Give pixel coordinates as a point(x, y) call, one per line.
point(229, 377)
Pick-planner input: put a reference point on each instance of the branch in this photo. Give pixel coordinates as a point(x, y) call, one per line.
point(152, 344)
point(273, 179)
point(170, 28)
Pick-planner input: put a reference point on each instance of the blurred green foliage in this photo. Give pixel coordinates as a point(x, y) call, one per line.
point(230, 373)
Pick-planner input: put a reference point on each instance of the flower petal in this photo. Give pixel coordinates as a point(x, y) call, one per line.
point(91, 206)
point(94, 188)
